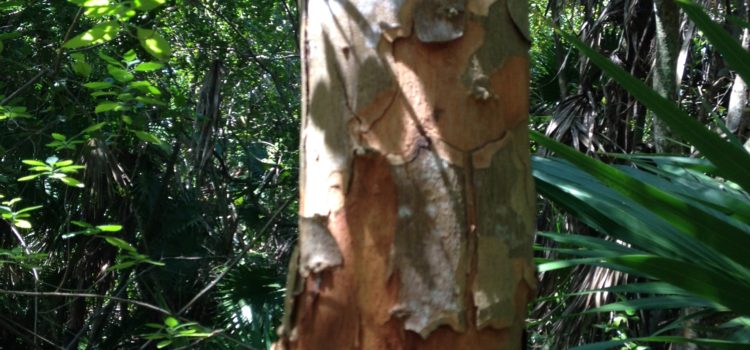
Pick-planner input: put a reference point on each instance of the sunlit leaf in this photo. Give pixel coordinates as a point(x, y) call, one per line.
point(98, 85)
point(99, 34)
point(119, 74)
point(148, 5)
point(28, 178)
point(71, 182)
point(154, 44)
point(119, 243)
point(90, 3)
point(148, 66)
point(163, 344)
point(110, 228)
point(129, 56)
point(171, 322)
point(33, 162)
point(107, 106)
point(22, 224)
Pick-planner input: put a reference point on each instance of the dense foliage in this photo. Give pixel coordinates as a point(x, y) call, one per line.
point(148, 153)
point(148, 166)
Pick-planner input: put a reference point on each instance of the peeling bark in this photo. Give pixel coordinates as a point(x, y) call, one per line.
point(417, 202)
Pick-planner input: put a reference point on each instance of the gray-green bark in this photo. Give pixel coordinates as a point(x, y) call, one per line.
point(667, 18)
point(737, 113)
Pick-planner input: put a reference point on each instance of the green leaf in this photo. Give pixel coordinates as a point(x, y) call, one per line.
point(122, 265)
point(81, 224)
point(98, 85)
point(163, 343)
point(148, 67)
point(33, 162)
point(119, 243)
point(154, 44)
point(93, 128)
point(707, 283)
point(103, 93)
point(28, 178)
point(689, 218)
point(63, 163)
point(155, 263)
point(28, 209)
point(90, 3)
point(71, 168)
point(736, 57)
point(58, 137)
point(82, 68)
point(22, 224)
point(707, 343)
point(732, 161)
point(99, 34)
point(71, 182)
point(108, 106)
point(129, 56)
point(148, 137)
point(150, 101)
point(110, 228)
point(652, 303)
point(171, 322)
point(119, 74)
point(145, 87)
point(109, 59)
point(148, 5)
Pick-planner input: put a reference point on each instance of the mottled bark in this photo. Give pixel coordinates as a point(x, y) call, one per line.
point(738, 117)
point(667, 19)
point(417, 203)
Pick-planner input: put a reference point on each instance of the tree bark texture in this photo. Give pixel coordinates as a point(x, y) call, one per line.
point(417, 202)
point(667, 21)
point(738, 116)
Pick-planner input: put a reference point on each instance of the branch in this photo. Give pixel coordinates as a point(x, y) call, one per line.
point(86, 295)
point(235, 261)
point(55, 66)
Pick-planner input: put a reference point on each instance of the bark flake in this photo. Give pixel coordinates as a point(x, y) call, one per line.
point(318, 248)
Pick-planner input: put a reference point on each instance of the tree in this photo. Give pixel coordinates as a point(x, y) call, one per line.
point(667, 19)
point(417, 205)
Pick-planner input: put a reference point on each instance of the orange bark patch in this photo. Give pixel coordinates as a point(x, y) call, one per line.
point(436, 99)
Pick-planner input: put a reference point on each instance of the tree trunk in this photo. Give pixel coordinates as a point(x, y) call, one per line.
point(738, 116)
point(417, 203)
point(667, 21)
point(562, 82)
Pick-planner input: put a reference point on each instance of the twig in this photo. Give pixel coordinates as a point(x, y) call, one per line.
point(86, 295)
point(235, 261)
point(55, 66)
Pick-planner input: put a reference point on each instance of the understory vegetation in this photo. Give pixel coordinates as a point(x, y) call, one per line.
point(149, 165)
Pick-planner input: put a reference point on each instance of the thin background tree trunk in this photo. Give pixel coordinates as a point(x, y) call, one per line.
point(417, 203)
point(737, 113)
point(667, 17)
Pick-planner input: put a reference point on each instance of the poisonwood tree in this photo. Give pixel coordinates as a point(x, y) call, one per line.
point(417, 204)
